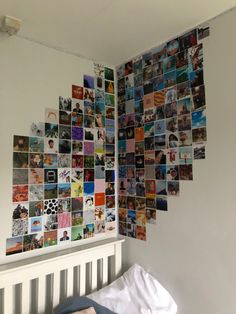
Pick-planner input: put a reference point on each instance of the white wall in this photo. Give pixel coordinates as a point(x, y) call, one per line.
point(192, 249)
point(31, 79)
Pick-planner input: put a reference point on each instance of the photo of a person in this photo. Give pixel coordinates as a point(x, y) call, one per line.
point(65, 236)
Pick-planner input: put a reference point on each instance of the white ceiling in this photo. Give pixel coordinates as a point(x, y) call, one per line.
point(109, 30)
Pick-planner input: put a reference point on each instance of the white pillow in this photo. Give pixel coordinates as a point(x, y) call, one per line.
point(136, 292)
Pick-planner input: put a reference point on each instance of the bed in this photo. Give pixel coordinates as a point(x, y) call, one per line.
point(58, 282)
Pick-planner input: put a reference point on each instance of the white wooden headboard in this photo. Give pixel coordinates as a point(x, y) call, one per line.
point(38, 284)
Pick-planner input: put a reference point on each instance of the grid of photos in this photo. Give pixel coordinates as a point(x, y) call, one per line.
point(64, 170)
point(161, 128)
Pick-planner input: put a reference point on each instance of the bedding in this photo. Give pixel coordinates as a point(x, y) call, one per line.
point(75, 304)
point(136, 292)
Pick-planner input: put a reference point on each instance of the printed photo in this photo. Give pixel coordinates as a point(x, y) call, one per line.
point(65, 103)
point(110, 163)
point(99, 199)
point(52, 115)
point(181, 59)
point(50, 238)
point(151, 216)
point(77, 218)
point(20, 193)
point(188, 40)
point(77, 233)
point(50, 222)
point(99, 213)
point(21, 143)
point(122, 214)
point(88, 108)
point(51, 130)
point(77, 119)
point(50, 145)
point(50, 191)
point(37, 129)
point(35, 224)
point(64, 190)
point(77, 147)
point(161, 202)
point(36, 144)
point(77, 92)
point(196, 78)
point(131, 217)
point(77, 204)
point(33, 242)
point(172, 156)
point(141, 218)
point(50, 207)
point(141, 233)
point(88, 81)
point(64, 235)
point(36, 176)
point(99, 83)
point(196, 57)
point(199, 119)
point(88, 231)
point(64, 220)
point(50, 160)
point(160, 172)
point(173, 188)
point(64, 175)
point(64, 160)
point(14, 245)
point(77, 175)
point(109, 100)
point(110, 214)
point(77, 107)
point(64, 117)
point(184, 106)
point(36, 208)
point(199, 151)
point(199, 135)
point(99, 69)
point(172, 140)
point(183, 90)
point(19, 227)
point(172, 173)
point(64, 146)
point(36, 192)
point(50, 175)
point(20, 176)
point(172, 124)
point(182, 75)
point(20, 211)
point(20, 160)
point(77, 189)
point(64, 205)
point(186, 172)
point(64, 132)
point(198, 97)
point(88, 217)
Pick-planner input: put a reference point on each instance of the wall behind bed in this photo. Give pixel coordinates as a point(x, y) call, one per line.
point(191, 250)
point(32, 78)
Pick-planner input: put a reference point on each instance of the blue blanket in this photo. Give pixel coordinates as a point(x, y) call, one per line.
point(80, 303)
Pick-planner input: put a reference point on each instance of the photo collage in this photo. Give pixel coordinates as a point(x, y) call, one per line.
point(161, 128)
point(64, 169)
